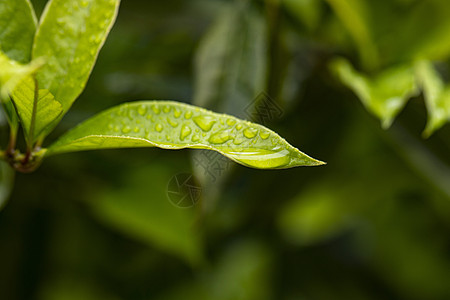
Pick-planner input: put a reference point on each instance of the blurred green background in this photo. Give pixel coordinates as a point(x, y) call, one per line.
point(372, 224)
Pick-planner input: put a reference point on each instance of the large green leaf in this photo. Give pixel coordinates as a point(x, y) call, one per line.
point(437, 97)
point(172, 125)
point(17, 29)
point(36, 110)
point(70, 36)
point(384, 94)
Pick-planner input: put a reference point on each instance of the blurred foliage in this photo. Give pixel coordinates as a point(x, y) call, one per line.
point(372, 224)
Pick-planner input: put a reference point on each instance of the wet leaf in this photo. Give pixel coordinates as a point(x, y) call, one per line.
point(172, 125)
point(384, 94)
point(70, 36)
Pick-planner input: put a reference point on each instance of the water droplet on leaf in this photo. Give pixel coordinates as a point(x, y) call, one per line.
point(204, 122)
point(126, 129)
point(250, 132)
point(142, 109)
point(185, 131)
point(220, 137)
point(172, 122)
point(188, 114)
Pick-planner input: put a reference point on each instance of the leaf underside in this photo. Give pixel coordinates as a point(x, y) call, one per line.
point(172, 125)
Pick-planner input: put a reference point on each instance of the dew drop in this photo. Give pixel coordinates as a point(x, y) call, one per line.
point(136, 129)
point(250, 132)
point(142, 109)
point(126, 129)
point(188, 115)
point(220, 137)
point(168, 138)
point(238, 140)
point(185, 131)
point(172, 122)
point(231, 122)
point(159, 127)
point(149, 117)
point(195, 138)
point(84, 3)
point(156, 109)
point(176, 113)
point(204, 122)
point(264, 135)
point(239, 126)
point(116, 128)
point(166, 109)
point(259, 158)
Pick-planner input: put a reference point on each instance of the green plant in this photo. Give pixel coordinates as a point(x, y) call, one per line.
point(45, 67)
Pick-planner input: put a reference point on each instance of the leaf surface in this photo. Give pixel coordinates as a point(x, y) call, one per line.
point(172, 125)
point(70, 36)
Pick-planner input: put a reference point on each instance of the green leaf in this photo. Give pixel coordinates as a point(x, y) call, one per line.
point(35, 114)
point(11, 74)
point(17, 29)
point(384, 94)
point(437, 97)
point(355, 17)
point(172, 125)
point(70, 36)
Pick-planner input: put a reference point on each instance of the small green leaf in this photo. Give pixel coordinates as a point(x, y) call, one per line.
point(437, 97)
point(384, 94)
point(172, 125)
point(70, 36)
point(35, 114)
point(17, 29)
